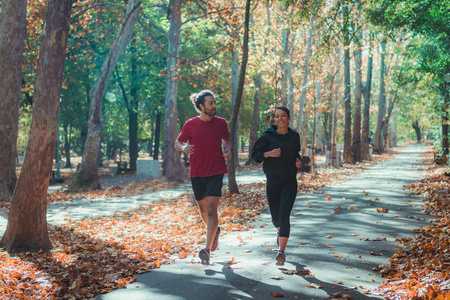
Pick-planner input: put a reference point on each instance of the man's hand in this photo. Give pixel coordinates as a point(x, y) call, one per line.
point(188, 149)
point(227, 153)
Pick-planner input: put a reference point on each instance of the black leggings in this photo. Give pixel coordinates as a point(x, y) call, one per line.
point(281, 200)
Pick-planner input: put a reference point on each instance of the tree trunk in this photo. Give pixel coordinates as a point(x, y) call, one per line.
point(445, 123)
point(232, 185)
point(234, 88)
point(305, 75)
point(133, 108)
point(305, 132)
point(417, 129)
point(12, 34)
point(328, 122)
point(67, 146)
point(255, 119)
point(132, 132)
point(27, 221)
point(157, 136)
point(172, 167)
point(378, 138)
point(356, 141)
point(393, 131)
point(366, 119)
point(318, 117)
point(284, 60)
point(87, 177)
point(347, 155)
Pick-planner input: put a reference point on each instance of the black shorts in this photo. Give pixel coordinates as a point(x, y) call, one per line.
point(207, 186)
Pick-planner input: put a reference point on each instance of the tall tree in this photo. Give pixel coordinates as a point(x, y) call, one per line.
point(12, 34)
point(172, 167)
point(232, 185)
point(87, 176)
point(27, 221)
point(356, 141)
point(378, 137)
point(366, 111)
point(347, 155)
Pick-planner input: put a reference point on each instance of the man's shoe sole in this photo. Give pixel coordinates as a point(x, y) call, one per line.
point(204, 256)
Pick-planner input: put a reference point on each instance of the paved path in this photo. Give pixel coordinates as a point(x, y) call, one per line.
point(357, 230)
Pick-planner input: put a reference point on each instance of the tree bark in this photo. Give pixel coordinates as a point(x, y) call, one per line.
point(27, 221)
point(347, 155)
point(356, 141)
point(232, 185)
point(172, 167)
point(87, 177)
point(366, 115)
point(378, 138)
point(12, 34)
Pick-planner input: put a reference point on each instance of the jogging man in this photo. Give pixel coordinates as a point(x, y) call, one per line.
point(201, 138)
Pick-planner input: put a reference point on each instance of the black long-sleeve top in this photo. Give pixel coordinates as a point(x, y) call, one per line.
point(278, 170)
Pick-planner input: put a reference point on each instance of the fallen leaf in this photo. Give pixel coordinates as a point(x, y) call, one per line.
point(315, 285)
point(277, 278)
point(329, 198)
point(329, 236)
point(276, 295)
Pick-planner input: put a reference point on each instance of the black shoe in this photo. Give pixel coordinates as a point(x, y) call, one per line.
point(204, 256)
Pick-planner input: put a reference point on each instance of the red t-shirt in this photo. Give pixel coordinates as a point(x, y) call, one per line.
point(207, 159)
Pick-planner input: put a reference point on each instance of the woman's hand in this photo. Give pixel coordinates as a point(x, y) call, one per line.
point(273, 153)
point(298, 163)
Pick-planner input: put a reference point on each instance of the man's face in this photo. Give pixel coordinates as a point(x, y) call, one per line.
point(210, 106)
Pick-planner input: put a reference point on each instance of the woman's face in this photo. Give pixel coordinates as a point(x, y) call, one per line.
point(281, 118)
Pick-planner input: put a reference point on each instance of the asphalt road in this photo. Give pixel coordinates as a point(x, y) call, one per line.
point(339, 247)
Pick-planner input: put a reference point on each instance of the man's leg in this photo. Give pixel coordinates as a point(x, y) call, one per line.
point(212, 203)
point(203, 211)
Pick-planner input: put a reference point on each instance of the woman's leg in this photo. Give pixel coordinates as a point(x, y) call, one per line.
point(274, 198)
point(288, 194)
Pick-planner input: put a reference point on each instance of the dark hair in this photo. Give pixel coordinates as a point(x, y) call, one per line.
point(270, 118)
point(199, 98)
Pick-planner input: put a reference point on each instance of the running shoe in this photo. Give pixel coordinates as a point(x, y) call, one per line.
point(215, 243)
point(204, 256)
point(280, 258)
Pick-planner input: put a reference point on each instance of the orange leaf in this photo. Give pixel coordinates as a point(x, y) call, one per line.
point(276, 295)
point(329, 198)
